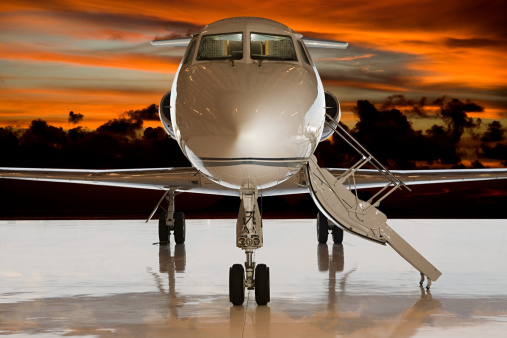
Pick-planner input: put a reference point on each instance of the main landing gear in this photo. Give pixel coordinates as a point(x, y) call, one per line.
point(249, 238)
point(323, 227)
point(171, 221)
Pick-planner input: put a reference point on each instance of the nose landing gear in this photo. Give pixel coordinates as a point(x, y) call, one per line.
point(249, 238)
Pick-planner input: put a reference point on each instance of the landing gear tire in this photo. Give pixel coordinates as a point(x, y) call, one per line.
point(262, 294)
point(236, 284)
point(163, 229)
point(322, 228)
point(337, 235)
point(179, 227)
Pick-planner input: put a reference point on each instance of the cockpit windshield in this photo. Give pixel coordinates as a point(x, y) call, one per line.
point(272, 47)
point(221, 46)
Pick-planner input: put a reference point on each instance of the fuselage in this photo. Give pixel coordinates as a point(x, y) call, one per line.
point(247, 103)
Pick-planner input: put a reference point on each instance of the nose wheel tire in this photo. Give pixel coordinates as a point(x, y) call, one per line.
point(179, 227)
point(337, 235)
point(262, 294)
point(163, 229)
point(322, 228)
point(236, 284)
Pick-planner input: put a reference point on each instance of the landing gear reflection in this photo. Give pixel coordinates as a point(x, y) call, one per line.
point(249, 238)
point(323, 227)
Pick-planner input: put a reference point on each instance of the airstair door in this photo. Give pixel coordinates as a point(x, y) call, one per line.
point(358, 217)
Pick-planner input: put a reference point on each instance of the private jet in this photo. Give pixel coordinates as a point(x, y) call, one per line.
point(248, 109)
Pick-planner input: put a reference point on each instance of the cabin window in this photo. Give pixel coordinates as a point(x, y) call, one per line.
point(272, 47)
point(221, 47)
point(303, 52)
point(190, 52)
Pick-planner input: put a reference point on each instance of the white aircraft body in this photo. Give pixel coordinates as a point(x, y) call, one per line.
point(248, 109)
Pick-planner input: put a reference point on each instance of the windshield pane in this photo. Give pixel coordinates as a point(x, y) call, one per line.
point(303, 52)
point(221, 46)
point(190, 52)
point(272, 47)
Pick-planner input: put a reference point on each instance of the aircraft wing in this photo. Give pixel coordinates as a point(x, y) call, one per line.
point(318, 43)
point(366, 178)
point(156, 178)
point(191, 180)
point(172, 42)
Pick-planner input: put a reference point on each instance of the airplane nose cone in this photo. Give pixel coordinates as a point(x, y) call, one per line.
point(247, 113)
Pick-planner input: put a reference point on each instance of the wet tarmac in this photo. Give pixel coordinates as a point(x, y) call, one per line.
point(106, 278)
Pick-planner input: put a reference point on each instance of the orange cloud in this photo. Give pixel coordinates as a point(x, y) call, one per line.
point(453, 46)
point(365, 85)
point(17, 51)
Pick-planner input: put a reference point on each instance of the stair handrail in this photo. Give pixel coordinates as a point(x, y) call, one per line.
point(365, 153)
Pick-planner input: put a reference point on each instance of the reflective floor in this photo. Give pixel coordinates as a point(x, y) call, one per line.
point(106, 278)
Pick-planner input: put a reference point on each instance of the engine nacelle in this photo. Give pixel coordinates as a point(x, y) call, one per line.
point(164, 111)
point(332, 109)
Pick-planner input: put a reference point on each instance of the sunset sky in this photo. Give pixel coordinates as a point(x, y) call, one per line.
point(94, 57)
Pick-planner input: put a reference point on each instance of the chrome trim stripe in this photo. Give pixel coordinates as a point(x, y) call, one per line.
point(291, 162)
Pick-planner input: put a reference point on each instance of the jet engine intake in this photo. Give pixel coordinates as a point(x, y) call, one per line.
point(164, 111)
point(332, 109)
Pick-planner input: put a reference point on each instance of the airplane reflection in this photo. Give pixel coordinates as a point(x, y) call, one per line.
point(155, 291)
point(175, 263)
point(337, 319)
point(334, 263)
point(170, 265)
point(417, 315)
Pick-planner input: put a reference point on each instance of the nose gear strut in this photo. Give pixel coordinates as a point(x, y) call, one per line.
point(249, 238)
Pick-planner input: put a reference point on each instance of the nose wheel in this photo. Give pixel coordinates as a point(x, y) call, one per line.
point(262, 295)
point(238, 283)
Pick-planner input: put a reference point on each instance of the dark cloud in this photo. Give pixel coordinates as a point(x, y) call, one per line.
point(391, 138)
point(454, 112)
point(366, 68)
point(495, 132)
point(149, 113)
point(471, 43)
point(388, 134)
point(130, 123)
point(40, 133)
point(118, 143)
point(121, 127)
point(498, 152)
point(477, 165)
point(75, 118)
point(157, 133)
point(492, 147)
point(128, 21)
point(384, 130)
point(412, 106)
